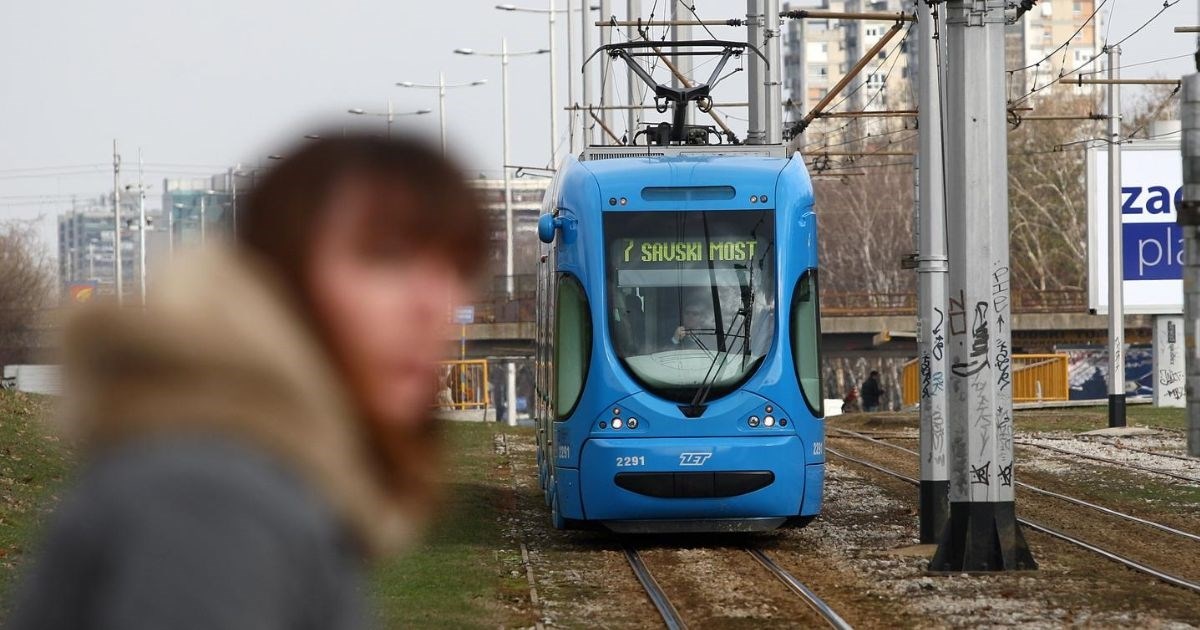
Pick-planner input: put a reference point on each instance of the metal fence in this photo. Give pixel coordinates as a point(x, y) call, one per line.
point(1035, 378)
point(464, 385)
point(848, 304)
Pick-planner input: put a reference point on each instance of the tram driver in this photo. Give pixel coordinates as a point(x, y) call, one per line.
point(696, 326)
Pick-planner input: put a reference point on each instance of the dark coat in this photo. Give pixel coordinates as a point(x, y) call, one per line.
point(189, 533)
point(871, 392)
point(228, 482)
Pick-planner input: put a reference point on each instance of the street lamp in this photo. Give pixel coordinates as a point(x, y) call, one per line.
point(141, 189)
point(508, 213)
point(511, 368)
point(441, 87)
point(390, 114)
point(551, 12)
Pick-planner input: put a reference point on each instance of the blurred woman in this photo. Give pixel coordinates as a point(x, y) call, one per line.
point(265, 424)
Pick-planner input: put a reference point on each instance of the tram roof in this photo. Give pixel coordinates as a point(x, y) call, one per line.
point(684, 170)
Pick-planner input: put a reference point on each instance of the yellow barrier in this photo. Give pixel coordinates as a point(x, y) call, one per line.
point(910, 383)
point(464, 385)
point(1035, 378)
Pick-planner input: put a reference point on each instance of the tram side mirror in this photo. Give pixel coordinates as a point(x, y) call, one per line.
point(547, 226)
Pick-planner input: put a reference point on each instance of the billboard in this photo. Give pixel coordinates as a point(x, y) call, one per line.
point(1152, 241)
point(81, 292)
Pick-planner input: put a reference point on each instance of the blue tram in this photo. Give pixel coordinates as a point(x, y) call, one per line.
point(678, 372)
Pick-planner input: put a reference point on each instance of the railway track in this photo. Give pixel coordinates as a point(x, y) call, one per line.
point(816, 603)
point(1165, 576)
point(674, 621)
point(1126, 447)
point(1050, 493)
point(658, 597)
point(1107, 460)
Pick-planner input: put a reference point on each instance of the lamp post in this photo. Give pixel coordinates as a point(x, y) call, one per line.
point(204, 214)
point(508, 213)
point(441, 87)
point(511, 376)
point(141, 189)
point(554, 113)
point(390, 114)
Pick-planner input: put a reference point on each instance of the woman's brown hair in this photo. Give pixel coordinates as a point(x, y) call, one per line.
point(419, 204)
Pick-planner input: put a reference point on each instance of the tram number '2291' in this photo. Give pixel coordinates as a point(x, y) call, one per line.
point(631, 460)
point(818, 448)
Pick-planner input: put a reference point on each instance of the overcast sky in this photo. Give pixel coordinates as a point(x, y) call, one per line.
point(200, 85)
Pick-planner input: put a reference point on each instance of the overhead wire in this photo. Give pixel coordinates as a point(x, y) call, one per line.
point(1140, 63)
point(891, 56)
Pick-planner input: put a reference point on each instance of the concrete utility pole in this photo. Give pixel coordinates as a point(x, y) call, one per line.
point(608, 77)
point(442, 110)
point(571, 135)
point(683, 63)
point(1116, 275)
point(585, 91)
point(233, 197)
point(141, 231)
point(203, 218)
point(763, 82)
point(634, 88)
point(555, 112)
point(1189, 218)
point(982, 533)
point(509, 267)
point(117, 266)
point(931, 282)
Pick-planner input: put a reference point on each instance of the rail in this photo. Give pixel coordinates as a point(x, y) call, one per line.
point(1042, 491)
point(857, 304)
point(1035, 378)
point(658, 597)
point(796, 586)
point(1111, 555)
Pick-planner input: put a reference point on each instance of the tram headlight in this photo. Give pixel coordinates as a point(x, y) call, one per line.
point(631, 423)
point(616, 423)
point(753, 421)
point(769, 421)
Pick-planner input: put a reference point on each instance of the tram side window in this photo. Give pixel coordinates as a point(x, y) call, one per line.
point(806, 341)
point(572, 345)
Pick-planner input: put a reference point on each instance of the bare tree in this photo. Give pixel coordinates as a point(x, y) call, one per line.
point(25, 288)
point(1047, 186)
point(865, 221)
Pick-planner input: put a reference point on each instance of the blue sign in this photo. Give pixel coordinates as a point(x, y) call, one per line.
point(464, 314)
point(1152, 251)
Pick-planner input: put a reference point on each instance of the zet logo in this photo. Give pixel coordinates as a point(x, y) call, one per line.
point(693, 459)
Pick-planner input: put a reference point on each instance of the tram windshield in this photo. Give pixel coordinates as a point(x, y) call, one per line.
point(692, 297)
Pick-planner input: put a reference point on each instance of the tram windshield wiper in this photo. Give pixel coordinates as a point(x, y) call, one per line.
point(741, 319)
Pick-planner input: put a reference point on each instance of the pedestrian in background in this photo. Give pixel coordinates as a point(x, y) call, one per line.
point(871, 392)
point(265, 425)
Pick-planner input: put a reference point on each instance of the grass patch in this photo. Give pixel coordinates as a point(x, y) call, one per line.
point(33, 463)
point(461, 576)
point(468, 572)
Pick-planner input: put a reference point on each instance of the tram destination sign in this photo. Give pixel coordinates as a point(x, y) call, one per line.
point(1152, 241)
point(653, 252)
